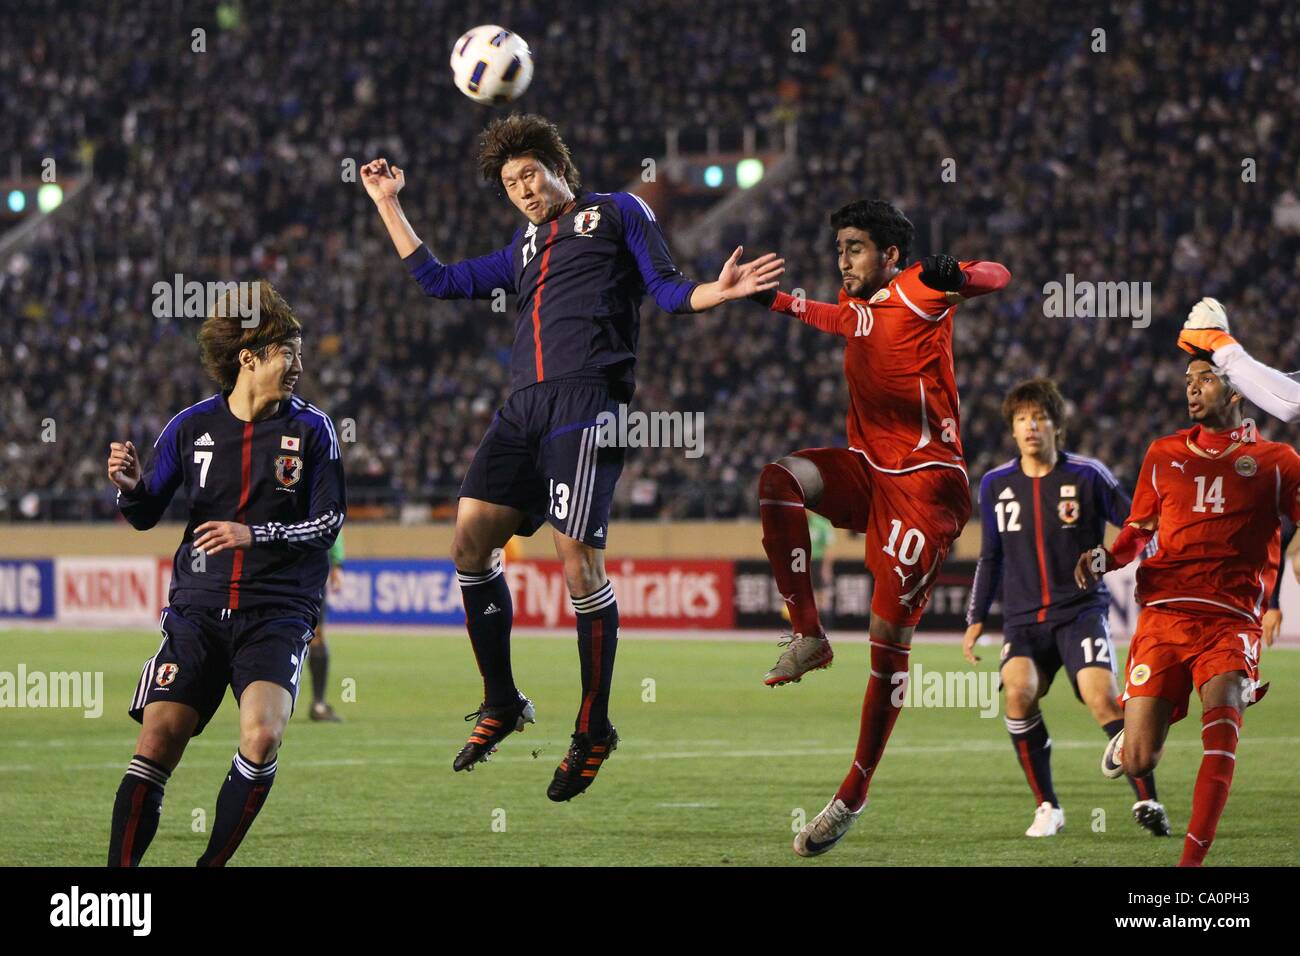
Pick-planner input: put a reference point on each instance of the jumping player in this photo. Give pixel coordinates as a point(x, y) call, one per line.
point(579, 269)
point(902, 480)
point(264, 480)
point(1215, 499)
point(1036, 512)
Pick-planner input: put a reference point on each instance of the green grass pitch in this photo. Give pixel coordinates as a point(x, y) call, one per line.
point(712, 771)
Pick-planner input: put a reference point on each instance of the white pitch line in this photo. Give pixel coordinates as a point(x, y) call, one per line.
point(435, 759)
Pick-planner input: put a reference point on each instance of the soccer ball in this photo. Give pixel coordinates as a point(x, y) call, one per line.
point(491, 64)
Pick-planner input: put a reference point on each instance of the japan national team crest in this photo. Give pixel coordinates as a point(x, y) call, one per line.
point(288, 469)
point(1246, 466)
point(166, 673)
point(1068, 510)
point(586, 221)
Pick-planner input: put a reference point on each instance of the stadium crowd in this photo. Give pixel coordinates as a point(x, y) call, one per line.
point(1169, 158)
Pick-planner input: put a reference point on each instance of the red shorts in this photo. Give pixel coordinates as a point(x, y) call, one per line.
point(1178, 647)
point(910, 520)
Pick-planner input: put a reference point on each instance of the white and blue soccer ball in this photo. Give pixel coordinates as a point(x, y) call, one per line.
point(492, 64)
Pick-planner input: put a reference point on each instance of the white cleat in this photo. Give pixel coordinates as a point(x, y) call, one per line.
point(826, 829)
point(1048, 821)
point(1112, 759)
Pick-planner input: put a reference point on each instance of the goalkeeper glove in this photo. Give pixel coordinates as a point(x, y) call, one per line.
point(1205, 330)
point(942, 273)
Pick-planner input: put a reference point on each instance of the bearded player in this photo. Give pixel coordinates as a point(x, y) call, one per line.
point(902, 480)
point(1215, 493)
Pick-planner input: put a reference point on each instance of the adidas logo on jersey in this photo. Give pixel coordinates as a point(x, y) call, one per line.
point(491, 609)
point(600, 533)
point(204, 439)
point(1007, 493)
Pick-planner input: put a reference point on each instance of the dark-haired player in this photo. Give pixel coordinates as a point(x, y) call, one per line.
point(1206, 335)
point(261, 471)
point(902, 480)
point(579, 269)
point(1213, 496)
point(1036, 513)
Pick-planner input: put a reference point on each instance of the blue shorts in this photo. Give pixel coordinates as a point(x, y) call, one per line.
point(541, 456)
point(1080, 642)
point(205, 650)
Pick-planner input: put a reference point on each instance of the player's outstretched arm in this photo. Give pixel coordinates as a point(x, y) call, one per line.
point(477, 278)
point(738, 280)
point(1206, 335)
point(960, 281)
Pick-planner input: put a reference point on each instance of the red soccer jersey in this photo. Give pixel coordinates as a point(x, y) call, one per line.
point(1217, 501)
point(903, 405)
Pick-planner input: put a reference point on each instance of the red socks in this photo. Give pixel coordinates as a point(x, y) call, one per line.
point(788, 545)
point(878, 715)
point(1220, 729)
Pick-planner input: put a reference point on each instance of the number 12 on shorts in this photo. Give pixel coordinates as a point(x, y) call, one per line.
point(559, 499)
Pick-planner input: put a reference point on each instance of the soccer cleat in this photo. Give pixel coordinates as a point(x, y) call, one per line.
point(801, 655)
point(1112, 759)
point(577, 771)
point(494, 725)
point(826, 829)
point(1048, 821)
point(1151, 816)
point(323, 711)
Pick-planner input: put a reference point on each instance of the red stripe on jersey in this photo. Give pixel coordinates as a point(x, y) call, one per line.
point(537, 298)
point(245, 489)
point(1042, 557)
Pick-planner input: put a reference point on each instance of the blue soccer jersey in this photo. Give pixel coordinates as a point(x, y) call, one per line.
point(578, 281)
point(1034, 530)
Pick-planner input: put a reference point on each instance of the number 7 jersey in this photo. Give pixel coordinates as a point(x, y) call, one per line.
point(1218, 501)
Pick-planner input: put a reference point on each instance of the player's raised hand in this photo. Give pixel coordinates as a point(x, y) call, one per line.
point(123, 465)
point(739, 279)
point(381, 180)
point(968, 642)
point(213, 537)
point(1092, 565)
point(1206, 329)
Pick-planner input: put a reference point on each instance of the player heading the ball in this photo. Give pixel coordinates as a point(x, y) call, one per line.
point(578, 267)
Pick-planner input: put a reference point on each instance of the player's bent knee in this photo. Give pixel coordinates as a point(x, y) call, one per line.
point(468, 555)
point(260, 742)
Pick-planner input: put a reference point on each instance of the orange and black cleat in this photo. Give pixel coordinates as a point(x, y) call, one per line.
point(577, 771)
point(494, 725)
